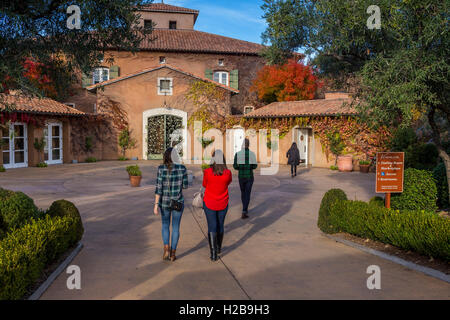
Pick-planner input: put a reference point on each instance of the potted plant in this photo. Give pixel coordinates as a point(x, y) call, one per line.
point(39, 145)
point(364, 166)
point(135, 175)
point(337, 146)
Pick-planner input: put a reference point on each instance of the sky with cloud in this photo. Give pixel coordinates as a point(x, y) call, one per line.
point(232, 18)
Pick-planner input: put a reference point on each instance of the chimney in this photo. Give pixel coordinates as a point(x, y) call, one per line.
point(336, 95)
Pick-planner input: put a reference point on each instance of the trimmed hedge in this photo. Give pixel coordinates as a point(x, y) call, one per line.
point(421, 231)
point(64, 208)
point(16, 209)
point(378, 201)
point(419, 192)
point(328, 199)
point(25, 252)
point(440, 176)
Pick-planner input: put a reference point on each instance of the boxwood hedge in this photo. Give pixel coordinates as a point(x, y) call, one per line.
point(418, 230)
point(329, 198)
point(26, 251)
point(16, 209)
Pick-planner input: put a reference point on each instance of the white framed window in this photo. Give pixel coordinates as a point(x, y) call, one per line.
point(100, 75)
point(162, 60)
point(70, 104)
point(15, 145)
point(248, 109)
point(221, 63)
point(221, 77)
point(165, 86)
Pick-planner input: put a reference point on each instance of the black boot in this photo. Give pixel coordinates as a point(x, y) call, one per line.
point(212, 239)
point(219, 242)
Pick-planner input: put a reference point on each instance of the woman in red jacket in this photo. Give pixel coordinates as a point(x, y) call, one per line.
point(215, 201)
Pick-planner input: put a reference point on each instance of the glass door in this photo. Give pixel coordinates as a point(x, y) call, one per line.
point(53, 143)
point(15, 145)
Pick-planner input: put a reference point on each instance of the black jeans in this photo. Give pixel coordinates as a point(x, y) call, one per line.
point(246, 189)
point(293, 169)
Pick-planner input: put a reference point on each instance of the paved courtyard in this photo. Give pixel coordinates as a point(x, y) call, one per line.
point(278, 253)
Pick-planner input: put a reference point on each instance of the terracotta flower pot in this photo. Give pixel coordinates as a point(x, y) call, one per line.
point(364, 168)
point(135, 181)
point(345, 163)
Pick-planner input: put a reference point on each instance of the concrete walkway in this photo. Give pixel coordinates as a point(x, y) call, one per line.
point(279, 253)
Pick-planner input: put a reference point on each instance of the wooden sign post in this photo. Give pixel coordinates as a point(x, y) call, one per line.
point(389, 175)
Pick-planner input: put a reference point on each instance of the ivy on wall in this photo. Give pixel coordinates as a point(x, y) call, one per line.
point(358, 138)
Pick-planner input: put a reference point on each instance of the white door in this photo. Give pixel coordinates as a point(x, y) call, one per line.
point(238, 140)
point(302, 144)
point(53, 152)
point(15, 145)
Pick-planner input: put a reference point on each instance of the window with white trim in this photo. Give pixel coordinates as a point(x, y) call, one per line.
point(221, 77)
point(221, 63)
point(165, 86)
point(100, 75)
point(248, 109)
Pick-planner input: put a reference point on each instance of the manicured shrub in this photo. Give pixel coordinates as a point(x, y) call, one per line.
point(2, 168)
point(328, 199)
point(440, 176)
point(25, 252)
point(421, 231)
point(378, 201)
point(64, 208)
point(205, 166)
point(419, 192)
point(16, 208)
point(91, 159)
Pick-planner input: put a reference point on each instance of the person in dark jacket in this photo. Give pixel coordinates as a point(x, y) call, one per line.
point(293, 156)
point(245, 163)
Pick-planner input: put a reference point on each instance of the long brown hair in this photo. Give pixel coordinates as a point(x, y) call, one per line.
point(218, 163)
point(167, 158)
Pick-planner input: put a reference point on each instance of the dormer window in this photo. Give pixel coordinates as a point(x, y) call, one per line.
point(162, 60)
point(100, 75)
point(172, 24)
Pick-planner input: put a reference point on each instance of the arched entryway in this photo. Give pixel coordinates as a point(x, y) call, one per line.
point(160, 128)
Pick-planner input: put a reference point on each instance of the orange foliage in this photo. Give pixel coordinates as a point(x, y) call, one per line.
point(289, 82)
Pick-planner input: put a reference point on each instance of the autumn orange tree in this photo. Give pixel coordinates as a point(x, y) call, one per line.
point(291, 81)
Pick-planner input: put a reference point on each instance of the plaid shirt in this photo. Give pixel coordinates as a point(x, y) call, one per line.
point(245, 162)
point(178, 181)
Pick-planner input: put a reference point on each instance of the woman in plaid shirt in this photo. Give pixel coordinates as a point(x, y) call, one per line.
point(171, 180)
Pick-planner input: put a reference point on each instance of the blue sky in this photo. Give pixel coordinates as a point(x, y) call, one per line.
point(231, 18)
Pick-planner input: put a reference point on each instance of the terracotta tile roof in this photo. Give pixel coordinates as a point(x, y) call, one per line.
point(181, 40)
point(125, 77)
point(37, 106)
point(318, 107)
point(162, 7)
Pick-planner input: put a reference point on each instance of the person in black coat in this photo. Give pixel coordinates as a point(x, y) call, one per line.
point(293, 156)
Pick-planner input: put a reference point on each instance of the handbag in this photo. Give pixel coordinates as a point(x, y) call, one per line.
point(198, 199)
point(174, 204)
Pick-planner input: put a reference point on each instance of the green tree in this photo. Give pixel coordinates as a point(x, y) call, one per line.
point(39, 145)
point(126, 141)
point(403, 67)
point(38, 29)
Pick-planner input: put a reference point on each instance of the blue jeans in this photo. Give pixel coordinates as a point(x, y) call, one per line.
point(215, 219)
point(176, 219)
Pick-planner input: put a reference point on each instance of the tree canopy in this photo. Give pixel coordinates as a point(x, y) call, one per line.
point(402, 67)
point(36, 30)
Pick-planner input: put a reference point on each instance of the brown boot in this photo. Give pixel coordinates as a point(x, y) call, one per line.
point(166, 255)
point(172, 255)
